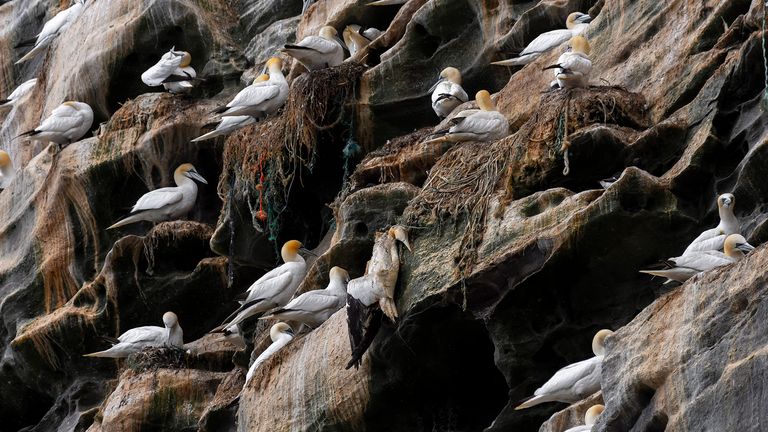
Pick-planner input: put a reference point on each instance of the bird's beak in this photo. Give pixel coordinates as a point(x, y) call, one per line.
point(307, 251)
point(584, 19)
point(290, 331)
point(195, 176)
point(727, 202)
point(434, 86)
point(745, 247)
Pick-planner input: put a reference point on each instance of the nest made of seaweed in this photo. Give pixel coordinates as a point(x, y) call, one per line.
point(152, 359)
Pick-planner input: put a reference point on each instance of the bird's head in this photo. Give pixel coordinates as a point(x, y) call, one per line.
point(451, 74)
point(261, 78)
point(484, 101)
point(279, 329)
point(338, 274)
point(399, 233)
point(580, 44)
point(274, 65)
point(328, 32)
point(590, 417)
point(5, 159)
point(736, 246)
point(726, 200)
point(598, 342)
point(188, 170)
point(577, 18)
point(186, 59)
point(170, 319)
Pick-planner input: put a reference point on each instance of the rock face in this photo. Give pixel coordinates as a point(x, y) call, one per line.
point(518, 257)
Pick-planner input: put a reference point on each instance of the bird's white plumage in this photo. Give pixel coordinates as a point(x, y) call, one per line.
point(280, 334)
point(446, 97)
point(714, 238)
point(549, 40)
point(315, 307)
point(67, 123)
point(19, 92)
point(167, 65)
point(53, 28)
point(573, 71)
point(317, 52)
point(258, 99)
point(226, 125)
point(158, 198)
point(481, 126)
point(136, 339)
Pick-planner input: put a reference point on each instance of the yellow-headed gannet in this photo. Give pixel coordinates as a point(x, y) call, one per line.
point(262, 97)
point(714, 239)
point(318, 52)
point(575, 381)
point(447, 92)
point(314, 307)
point(357, 38)
point(573, 67)
point(168, 203)
point(22, 90)
point(280, 333)
point(274, 289)
point(52, 29)
point(575, 24)
point(7, 173)
point(370, 295)
point(136, 339)
point(684, 267)
point(485, 124)
point(173, 72)
point(590, 418)
point(67, 123)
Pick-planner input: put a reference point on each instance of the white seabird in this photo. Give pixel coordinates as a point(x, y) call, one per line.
point(280, 333)
point(357, 38)
point(318, 52)
point(262, 97)
point(573, 67)
point(136, 339)
point(714, 238)
point(7, 173)
point(575, 24)
point(168, 203)
point(67, 123)
point(274, 289)
point(314, 307)
point(52, 29)
point(173, 72)
point(22, 90)
point(370, 295)
point(575, 381)
point(447, 92)
point(485, 124)
point(590, 418)
point(686, 266)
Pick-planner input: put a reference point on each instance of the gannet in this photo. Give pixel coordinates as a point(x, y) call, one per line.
point(7, 173)
point(280, 333)
point(370, 295)
point(173, 72)
point(684, 267)
point(573, 67)
point(66, 124)
point(575, 381)
point(262, 97)
point(485, 124)
point(318, 52)
point(168, 203)
point(314, 307)
point(447, 92)
point(233, 335)
point(52, 29)
point(16, 95)
point(575, 24)
point(274, 289)
point(590, 418)
point(357, 38)
point(714, 239)
point(136, 339)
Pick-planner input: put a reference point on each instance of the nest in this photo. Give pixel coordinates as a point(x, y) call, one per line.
point(152, 359)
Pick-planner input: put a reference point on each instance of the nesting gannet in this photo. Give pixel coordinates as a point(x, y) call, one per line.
point(575, 381)
point(590, 418)
point(370, 295)
point(575, 24)
point(357, 38)
point(173, 72)
point(314, 307)
point(22, 90)
point(136, 339)
point(485, 124)
point(262, 97)
point(274, 289)
point(714, 238)
point(67, 123)
point(280, 333)
point(7, 173)
point(447, 92)
point(573, 67)
point(318, 52)
point(52, 29)
point(684, 267)
point(168, 203)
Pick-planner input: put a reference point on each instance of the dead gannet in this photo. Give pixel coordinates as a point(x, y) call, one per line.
point(136, 339)
point(173, 72)
point(447, 92)
point(682, 268)
point(575, 24)
point(7, 173)
point(274, 289)
point(370, 295)
point(314, 307)
point(66, 124)
point(714, 238)
point(485, 124)
point(573, 67)
point(590, 418)
point(22, 90)
point(575, 381)
point(51, 30)
point(262, 97)
point(357, 38)
point(168, 203)
point(280, 333)
point(318, 52)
